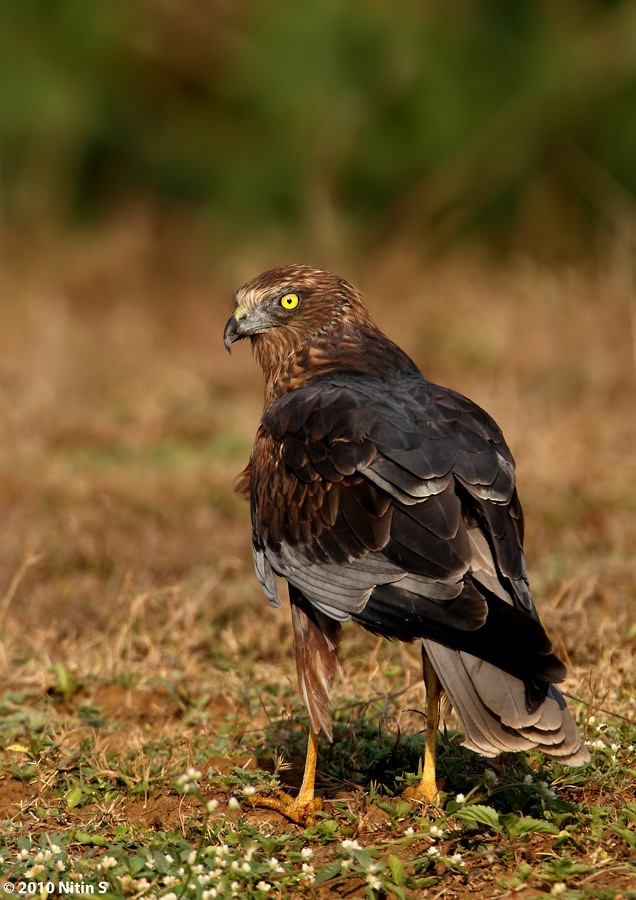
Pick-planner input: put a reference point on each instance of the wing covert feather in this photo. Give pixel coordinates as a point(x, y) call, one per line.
point(349, 468)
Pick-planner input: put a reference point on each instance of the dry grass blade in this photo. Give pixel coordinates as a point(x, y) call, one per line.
point(136, 645)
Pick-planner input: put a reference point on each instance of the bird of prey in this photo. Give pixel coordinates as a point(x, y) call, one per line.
point(389, 501)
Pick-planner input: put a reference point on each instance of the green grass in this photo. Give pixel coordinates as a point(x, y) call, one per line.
point(86, 812)
point(135, 644)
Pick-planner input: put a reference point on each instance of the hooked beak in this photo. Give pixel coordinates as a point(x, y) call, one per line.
point(234, 331)
point(243, 323)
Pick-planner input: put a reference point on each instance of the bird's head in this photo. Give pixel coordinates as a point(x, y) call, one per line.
point(305, 322)
point(290, 307)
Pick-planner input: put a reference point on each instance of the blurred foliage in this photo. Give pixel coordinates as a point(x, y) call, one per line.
point(364, 118)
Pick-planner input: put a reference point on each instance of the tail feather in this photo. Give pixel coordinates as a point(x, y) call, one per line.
point(491, 705)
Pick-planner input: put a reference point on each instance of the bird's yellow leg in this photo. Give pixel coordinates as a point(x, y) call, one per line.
point(426, 790)
point(300, 809)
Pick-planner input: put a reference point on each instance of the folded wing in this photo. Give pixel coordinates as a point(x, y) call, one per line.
point(393, 504)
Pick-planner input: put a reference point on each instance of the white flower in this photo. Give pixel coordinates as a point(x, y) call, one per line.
point(187, 782)
point(211, 805)
point(436, 832)
point(559, 888)
point(24, 854)
point(107, 862)
point(409, 831)
point(527, 779)
point(345, 863)
point(168, 858)
point(348, 844)
point(546, 789)
point(457, 859)
point(433, 852)
point(150, 863)
point(234, 865)
point(274, 865)
point(249, 790)
point(460, 798)
point(308, 872)
point(263, 886)
point(233, 803)
point(490, 776)
point(306, 853)
point(209, 894)
point(192, 858)
point(245, 867)
point(374, 882)
point(60, 865)
point(169, 880)
point(34, 871)
point(171, 895)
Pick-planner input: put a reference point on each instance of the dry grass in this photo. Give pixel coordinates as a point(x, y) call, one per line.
point(129, 614)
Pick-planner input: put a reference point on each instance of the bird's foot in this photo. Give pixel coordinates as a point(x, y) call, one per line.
point(425, 793)
point(297, 809)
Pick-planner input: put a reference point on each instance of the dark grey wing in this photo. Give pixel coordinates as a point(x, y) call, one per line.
point(395, 505)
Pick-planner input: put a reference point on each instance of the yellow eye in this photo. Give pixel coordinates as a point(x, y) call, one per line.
point(289, 301)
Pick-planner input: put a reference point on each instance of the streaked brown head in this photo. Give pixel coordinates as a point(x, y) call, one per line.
point(285, 308)
point(304, 322)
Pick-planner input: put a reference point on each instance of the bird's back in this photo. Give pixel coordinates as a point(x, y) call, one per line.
point(391, 501)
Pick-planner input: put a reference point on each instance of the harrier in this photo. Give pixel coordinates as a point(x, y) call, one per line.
point(389, 501)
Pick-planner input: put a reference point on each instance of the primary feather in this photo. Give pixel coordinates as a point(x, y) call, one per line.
point(390, 501)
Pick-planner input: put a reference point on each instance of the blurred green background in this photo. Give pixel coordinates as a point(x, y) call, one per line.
point(358, 121)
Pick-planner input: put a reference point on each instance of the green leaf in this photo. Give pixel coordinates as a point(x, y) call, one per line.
point(516, 826)
point(136, 865)
point(403, 807)
point(423, 883)
point(90, 840)
point(73, 797)
point(630, 809)
point(394, 889)
point(364, 858)
point(326, 873)
point(480, 815)
point(397, 869)
point(627, 835)
point(66, 684)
